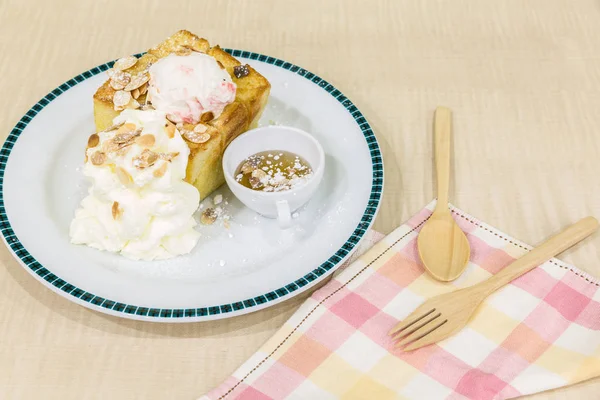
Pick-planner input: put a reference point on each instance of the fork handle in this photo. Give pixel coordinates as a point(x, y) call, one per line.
point(539, 255)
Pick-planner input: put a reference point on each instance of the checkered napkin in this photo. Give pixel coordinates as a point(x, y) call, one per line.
point(538, 333)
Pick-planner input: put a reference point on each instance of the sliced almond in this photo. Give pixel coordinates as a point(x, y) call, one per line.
point(135, 93)
point(120, 142)
point(98, 158)
point(124, 63)
point(207, 116)
point(116, 85)
point(258, 178)
point(247, 168)
point(152, 157)
point(126, 134)
point(168, 156)
point(121, 99)
point(169, 116)
point(121, 138)
point(170, 129)
point(119, 80)
point(195, 137)
point(93, 140)
point(114, 127)
point(145, 160)
point(132, 140)
point(137, 132)
point(160, 171)
point(122, 151)
point(127, 128)
point(116, 211)
point(109, 146)
point(137, 81)
point(147, 140)
point(255, 183)
point(123, 176)
point(209, 216)
point(259, 173)
point(124, 147)
point(251, 164)
point(200, 128)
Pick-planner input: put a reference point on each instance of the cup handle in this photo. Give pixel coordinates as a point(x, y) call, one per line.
point(284, 215)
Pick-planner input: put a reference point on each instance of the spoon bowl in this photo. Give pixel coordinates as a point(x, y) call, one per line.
point(443, 246)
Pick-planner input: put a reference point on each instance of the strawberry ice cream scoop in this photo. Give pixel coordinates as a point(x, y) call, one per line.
point(185, 87)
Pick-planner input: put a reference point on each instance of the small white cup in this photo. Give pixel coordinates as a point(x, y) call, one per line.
point(282, 204)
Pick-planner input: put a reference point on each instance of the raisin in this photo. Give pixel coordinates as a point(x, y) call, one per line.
point(241, 71)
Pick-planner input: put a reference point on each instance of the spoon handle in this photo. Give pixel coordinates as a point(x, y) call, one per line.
point(442, 128)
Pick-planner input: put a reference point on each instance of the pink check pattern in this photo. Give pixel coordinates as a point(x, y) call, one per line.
point(538, 333)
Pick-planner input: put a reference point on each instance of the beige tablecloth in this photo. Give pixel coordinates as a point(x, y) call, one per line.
point(523, 79)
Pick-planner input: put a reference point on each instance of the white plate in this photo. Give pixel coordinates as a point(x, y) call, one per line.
point(248, 267)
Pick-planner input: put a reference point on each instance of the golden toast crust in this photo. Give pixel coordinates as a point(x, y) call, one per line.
point(204, 166)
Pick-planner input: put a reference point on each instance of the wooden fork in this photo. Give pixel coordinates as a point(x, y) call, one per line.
point(445, 315)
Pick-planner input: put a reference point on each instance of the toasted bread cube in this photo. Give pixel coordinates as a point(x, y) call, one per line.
point(204, 169)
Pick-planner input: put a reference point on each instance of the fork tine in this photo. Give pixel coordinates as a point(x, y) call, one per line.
point(426, 339)
point(417, 332)
point(408, 321)
point(417, 326)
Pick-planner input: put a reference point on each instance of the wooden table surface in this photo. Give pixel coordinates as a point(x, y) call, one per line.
point(523, 80)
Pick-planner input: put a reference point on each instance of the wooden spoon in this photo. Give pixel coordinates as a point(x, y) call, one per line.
point(443, 247)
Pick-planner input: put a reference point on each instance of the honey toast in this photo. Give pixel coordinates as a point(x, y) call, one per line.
point(204, 169)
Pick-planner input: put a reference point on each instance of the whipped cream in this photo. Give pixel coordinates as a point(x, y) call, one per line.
point(142, 211)
point(185, 87)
